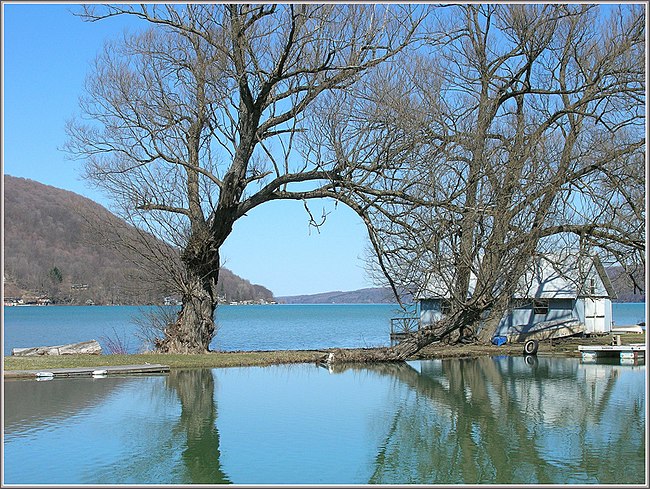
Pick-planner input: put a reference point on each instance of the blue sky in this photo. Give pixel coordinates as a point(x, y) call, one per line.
point(47, 52)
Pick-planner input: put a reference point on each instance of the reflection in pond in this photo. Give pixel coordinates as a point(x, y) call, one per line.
point(120, 435)
point(34, 402)
point(115, 430)
point(195, 390)
point(503, 421)
point(489, 420)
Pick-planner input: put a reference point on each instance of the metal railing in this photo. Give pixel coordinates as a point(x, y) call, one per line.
point(404, 325)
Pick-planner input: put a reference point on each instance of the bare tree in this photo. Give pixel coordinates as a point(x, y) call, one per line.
point(520, 131)
point(192, 123)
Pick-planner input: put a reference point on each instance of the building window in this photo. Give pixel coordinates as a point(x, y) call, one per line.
point(540, 307)
point(520, 303)
point(592, 286)
point(445, 307)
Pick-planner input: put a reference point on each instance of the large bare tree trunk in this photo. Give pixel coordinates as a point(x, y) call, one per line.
point(194, 328)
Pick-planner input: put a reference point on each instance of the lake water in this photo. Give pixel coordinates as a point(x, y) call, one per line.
point(628, 313)
point(255, 327)
point(489, 421)
point(260, 327)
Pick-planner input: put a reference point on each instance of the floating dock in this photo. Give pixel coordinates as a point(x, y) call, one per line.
point(625, 352)
point(636, 328)
point(86, 371)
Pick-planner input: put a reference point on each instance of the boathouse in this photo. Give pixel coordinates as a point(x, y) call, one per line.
point(557, 296)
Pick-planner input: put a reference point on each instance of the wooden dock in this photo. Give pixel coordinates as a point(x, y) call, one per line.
point(625, 352)
point(95, 372)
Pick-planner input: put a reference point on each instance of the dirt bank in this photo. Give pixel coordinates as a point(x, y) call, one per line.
point(559, 347)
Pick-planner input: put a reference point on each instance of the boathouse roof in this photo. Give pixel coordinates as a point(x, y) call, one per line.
point(549, 276)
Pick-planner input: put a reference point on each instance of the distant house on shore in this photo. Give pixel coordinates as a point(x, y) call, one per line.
point(13, 301)
point(558, 296)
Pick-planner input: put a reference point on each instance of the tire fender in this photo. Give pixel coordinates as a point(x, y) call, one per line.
point(531, 347)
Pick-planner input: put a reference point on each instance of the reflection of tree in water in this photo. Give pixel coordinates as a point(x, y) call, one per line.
point(30, 404)
point(482, 421)
point(195, 389)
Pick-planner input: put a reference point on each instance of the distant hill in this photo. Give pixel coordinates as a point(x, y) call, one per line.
point(373, 295)
point(625, 290)
point(50, 249)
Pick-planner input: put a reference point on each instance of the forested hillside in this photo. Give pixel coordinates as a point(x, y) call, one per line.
point(624, 286)
point(51, 250)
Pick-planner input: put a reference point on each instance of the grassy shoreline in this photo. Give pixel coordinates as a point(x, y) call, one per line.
point(562, 347)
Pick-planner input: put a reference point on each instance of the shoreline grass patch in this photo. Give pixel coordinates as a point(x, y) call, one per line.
point(206, 360)
point(218, 359)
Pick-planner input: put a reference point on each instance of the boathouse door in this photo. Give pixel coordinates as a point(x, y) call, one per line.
point(594, 315)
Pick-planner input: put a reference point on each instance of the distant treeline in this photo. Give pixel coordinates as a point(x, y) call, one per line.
point(50, 250)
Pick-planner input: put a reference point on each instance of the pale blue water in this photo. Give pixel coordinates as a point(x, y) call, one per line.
point(258, 327)
point(261, 327)
point(628, 313)
point(475, 421)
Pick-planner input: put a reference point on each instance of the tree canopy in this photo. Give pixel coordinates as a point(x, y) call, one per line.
point(515, 130)
point(467, 138)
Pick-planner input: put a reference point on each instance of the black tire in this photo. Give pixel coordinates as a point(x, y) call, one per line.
point(530, 347)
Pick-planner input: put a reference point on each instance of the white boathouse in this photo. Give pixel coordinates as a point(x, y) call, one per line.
point(558, 295)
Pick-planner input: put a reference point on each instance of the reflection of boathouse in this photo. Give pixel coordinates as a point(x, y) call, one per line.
point(558, 392)
point(506, 419)
point(557, 296)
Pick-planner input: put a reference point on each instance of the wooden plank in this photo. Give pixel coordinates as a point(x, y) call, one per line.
point(91, 347)
point(87, 371)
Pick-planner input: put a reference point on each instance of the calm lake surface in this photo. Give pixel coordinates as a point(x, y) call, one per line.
point(260, 327)
point(489, 420)
point(254, 327)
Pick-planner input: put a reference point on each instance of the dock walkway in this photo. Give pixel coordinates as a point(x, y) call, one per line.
point(634, 350)
point(86, 371)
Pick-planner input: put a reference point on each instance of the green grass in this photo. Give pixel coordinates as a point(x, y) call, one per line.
point(209, 360)
point(563, 347)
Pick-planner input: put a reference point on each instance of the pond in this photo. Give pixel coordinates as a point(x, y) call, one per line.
point(489, 420)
